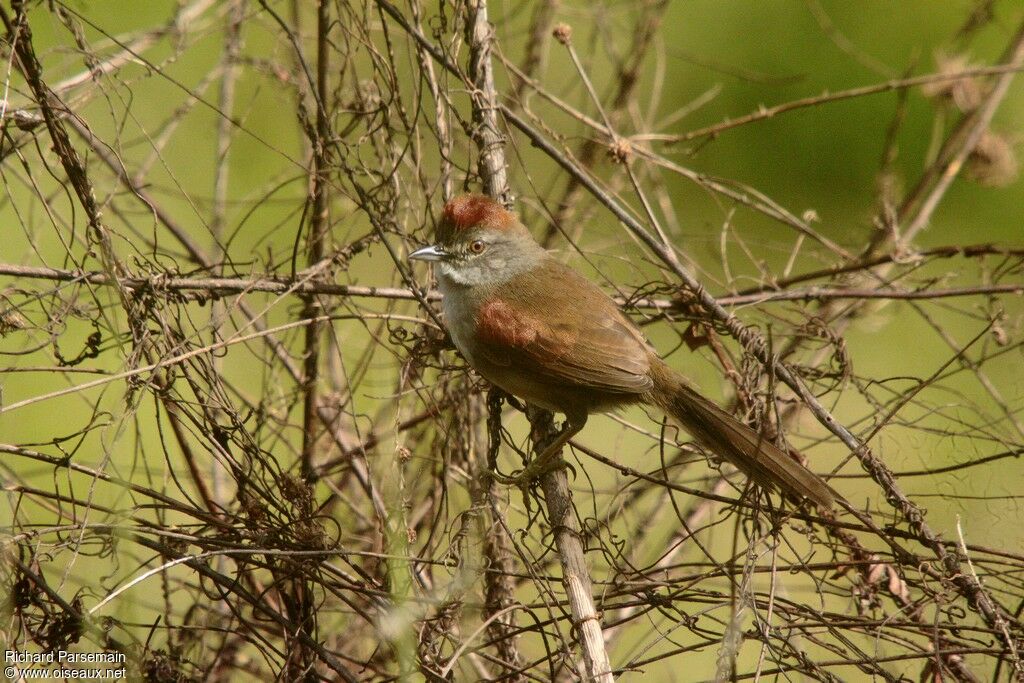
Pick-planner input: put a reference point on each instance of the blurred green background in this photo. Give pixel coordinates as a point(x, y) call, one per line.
point(731, 57)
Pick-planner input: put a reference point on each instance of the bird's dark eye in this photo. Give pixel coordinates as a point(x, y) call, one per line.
point(478, 246)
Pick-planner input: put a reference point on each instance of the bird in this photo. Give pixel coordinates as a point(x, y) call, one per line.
point(539, 330)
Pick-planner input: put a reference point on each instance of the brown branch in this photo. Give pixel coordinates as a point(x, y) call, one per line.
point(561, 513)
point(826, 98)
point(537, 43)
point(213, 287)
point(318, 227)
point(486, 133)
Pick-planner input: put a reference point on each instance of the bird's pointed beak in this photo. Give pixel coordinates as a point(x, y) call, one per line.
point(431, 253)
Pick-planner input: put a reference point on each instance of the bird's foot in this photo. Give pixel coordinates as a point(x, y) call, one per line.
point(525, 477)
point(549, 460)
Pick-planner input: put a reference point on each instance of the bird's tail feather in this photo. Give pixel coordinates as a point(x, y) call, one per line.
point(727, 437)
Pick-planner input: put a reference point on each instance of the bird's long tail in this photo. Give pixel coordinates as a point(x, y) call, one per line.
point(727, 437)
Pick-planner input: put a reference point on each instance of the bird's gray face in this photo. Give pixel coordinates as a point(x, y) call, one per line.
point(481, 256)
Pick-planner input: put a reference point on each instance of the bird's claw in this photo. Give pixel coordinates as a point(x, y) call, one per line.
point(526, 477)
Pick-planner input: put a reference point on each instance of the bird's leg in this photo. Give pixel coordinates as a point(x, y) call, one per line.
point(548, 459)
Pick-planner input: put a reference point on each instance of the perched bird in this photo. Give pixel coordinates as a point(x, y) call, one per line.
point(541, 331)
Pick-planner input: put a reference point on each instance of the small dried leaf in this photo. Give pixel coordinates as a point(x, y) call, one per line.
point(966, 94)
point(993, 162)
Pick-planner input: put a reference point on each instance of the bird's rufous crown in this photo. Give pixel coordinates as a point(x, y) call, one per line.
point(470, 211)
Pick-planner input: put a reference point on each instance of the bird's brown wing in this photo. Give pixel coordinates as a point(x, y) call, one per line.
point(553, 322)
